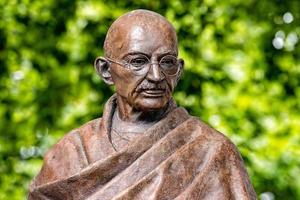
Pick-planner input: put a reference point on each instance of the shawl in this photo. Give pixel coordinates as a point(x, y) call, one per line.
point(179, 157)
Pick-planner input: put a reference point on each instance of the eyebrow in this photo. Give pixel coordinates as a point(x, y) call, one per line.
point(161, 55)
point(168, 53)
point(135, 53)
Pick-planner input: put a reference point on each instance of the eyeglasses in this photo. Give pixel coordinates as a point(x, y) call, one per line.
point(141, 65)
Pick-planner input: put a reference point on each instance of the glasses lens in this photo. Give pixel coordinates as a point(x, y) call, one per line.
point(169, 64)
point(139, 62)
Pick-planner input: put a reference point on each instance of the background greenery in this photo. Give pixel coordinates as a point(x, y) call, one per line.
point(241, 76)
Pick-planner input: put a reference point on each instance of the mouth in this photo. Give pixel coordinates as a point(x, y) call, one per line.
point(153, 93)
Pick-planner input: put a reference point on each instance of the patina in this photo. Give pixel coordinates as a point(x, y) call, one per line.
point(144, 146)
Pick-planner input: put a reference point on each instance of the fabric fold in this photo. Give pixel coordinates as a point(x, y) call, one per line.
point(179, 157)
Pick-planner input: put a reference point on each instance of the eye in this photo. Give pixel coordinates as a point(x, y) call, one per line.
point(168, 61)
point(169, 65)
point(139, 62)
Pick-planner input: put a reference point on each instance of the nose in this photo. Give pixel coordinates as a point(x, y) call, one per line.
point(155, 73)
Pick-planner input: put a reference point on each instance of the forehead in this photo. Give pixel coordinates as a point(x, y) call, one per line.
point(148, 40)
point(140, 35)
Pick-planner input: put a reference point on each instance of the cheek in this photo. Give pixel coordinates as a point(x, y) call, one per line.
point(125, 83)
point(126, 86)
point(172, 83)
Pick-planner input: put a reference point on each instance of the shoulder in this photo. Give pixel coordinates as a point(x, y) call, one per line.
point(220, 149)
point(224, 160)
point(67, 156)
point(216, 139)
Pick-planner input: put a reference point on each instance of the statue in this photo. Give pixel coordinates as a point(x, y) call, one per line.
point(144, 146)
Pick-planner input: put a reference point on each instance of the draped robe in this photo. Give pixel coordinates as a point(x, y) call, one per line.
point(179, 158)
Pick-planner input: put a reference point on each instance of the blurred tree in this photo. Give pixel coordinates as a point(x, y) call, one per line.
point(241, 76)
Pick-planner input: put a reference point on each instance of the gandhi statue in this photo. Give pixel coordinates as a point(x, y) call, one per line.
point(144, 146)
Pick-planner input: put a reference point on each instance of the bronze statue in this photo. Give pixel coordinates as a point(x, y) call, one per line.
point(144, 146)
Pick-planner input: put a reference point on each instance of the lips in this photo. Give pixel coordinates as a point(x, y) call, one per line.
point(153, 92)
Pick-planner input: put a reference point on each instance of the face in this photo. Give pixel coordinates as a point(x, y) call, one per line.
point(153, 90)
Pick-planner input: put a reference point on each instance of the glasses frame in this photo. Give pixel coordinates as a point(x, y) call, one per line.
point(128, 65)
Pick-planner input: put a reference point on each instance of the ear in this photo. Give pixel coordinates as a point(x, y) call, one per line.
point(181, 67)
point(102, 66)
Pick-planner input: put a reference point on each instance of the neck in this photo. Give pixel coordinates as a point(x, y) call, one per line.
point(129, 114)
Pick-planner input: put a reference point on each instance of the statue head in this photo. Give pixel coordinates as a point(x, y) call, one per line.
point(141, 60)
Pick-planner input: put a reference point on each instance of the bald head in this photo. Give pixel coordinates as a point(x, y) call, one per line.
point(135, 26)
point(140, 48)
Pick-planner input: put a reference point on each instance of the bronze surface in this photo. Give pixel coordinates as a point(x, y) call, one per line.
point(144, 146)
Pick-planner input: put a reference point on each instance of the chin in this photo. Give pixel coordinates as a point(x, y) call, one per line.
point(151, 104)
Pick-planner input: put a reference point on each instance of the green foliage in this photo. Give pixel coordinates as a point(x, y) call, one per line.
point(241, 76)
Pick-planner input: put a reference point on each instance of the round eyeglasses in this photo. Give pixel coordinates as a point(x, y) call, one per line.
point(141, 64)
